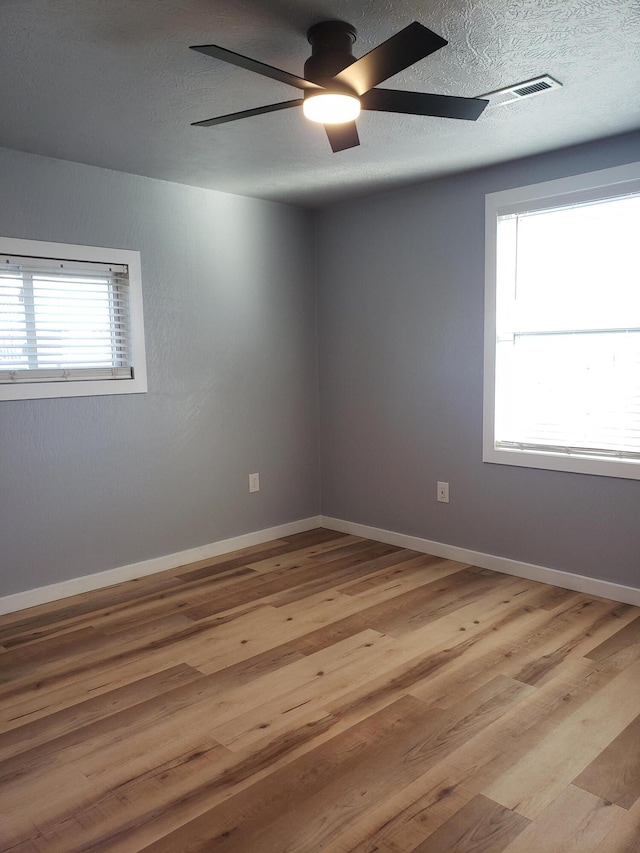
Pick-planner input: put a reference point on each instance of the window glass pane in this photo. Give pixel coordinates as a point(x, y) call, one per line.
point(573, 268)
point(573, 390)
point(567, 358)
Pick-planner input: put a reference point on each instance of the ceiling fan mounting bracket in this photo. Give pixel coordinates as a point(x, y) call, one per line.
point(331, 43)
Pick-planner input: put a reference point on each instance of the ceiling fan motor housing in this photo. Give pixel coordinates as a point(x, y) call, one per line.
point(331, 43)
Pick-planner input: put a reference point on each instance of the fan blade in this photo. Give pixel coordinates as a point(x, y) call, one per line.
point(342, 136)
point(253, 65)
point(422, 104)
point(395, 54)
point(270, 108)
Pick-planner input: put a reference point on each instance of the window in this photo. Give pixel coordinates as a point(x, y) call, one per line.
point(70, 321)
point(562, 325)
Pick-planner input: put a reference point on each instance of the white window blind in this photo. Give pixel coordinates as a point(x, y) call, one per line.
point(567, 323)
point(63, 320)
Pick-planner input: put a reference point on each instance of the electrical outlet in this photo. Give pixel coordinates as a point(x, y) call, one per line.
point(254, 482)
point(443, 492)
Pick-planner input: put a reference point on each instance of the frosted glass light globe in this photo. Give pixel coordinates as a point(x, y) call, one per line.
point(331, 109)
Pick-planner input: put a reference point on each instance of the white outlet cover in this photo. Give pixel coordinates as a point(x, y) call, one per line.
point(254, 482)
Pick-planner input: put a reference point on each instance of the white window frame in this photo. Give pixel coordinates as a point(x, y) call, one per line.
point(137, 384)
point(604, 183)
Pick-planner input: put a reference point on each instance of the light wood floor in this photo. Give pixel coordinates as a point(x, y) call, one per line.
point(322, 693)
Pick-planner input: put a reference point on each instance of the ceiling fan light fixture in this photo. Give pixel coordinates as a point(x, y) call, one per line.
point(331, 107)
point(337, 85)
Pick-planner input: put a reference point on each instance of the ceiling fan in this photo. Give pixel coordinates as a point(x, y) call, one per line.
point(337, 86)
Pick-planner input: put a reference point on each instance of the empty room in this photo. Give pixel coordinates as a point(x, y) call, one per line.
point(319, 426)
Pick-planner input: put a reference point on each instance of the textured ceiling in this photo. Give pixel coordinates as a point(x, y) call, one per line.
point(112, 83)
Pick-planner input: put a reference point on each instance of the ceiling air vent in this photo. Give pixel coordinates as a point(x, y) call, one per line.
point(521, 90)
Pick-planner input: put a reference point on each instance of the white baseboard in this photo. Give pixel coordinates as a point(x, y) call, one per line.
point(566, 580)
point(73, 586)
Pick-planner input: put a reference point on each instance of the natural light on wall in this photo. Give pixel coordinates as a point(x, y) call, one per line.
point(563, 316)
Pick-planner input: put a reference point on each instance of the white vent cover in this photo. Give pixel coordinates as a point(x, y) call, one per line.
point(517, 92)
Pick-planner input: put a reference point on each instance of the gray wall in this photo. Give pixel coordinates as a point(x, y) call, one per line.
point(230, 318)
point(89, 484)
point(400, 310)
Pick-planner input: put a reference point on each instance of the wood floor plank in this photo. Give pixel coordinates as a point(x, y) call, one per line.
point(481, 826)
point(533, 651)
point(157, 802)
point(424, 604)
point(313, 537)
point(624, 836)
point(614, 774)
point(403, 823)
point(131, 606)
point(332, 671)
point(39, 621)
point(321, 692)
point(147, 628)
point(182, 645)
point(291, 807)
point(38, 704)
point(396, 565)
point(412, 668)
point(313, 553)
point(404, 820)
point(501, 599)
point(620, 649)
point(209, 811)
point(101, 770)
point(24, 660)
point(264, 552)
point(97, 678)
point(576, 822)
point(533, 783)
point(276, 581)
point(552, 597)
point(443, 736)
point(602, 619)
point(45, 730)
point(331, 575)
point(518, 733)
